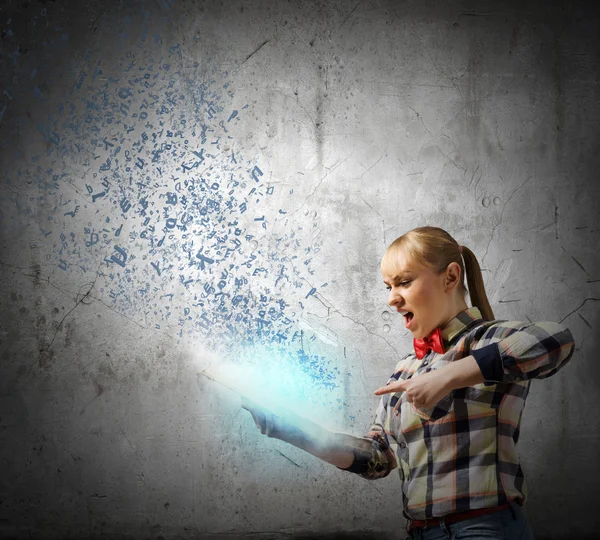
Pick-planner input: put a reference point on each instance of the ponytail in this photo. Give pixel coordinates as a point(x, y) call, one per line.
point(475, 283)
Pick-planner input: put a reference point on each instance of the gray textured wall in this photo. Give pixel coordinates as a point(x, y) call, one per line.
point(190, 179)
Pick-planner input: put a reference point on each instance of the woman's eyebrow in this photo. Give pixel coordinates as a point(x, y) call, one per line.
point(399, 277)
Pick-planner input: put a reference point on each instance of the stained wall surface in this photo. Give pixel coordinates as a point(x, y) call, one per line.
point(192, 184)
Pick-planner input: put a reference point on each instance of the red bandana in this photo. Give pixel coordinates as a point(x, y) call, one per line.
point(432, 341)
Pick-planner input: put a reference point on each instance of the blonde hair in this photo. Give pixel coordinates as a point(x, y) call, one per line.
point(434, 248)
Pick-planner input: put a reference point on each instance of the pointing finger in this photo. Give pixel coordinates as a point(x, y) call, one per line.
point(398, 386)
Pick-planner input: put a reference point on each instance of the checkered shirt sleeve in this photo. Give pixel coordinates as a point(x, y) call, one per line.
point(510, 351)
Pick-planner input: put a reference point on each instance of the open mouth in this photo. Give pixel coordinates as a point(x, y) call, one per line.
point(408, 319)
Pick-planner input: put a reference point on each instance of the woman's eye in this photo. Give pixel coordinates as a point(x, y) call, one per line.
point(401, 284)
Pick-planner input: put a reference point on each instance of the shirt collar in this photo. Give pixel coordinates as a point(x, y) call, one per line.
point(460, 323)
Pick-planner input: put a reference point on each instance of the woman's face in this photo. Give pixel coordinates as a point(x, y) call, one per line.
point(425, 295)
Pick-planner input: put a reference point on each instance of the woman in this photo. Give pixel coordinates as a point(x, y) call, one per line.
point(452, 408)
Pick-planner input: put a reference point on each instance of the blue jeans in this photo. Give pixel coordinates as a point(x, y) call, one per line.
point(507, 524)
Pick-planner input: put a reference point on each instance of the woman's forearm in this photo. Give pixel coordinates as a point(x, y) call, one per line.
point(333, 448)
point(462, 373)
point(334, 452)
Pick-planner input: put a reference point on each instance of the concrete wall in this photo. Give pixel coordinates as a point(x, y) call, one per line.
point(191, 183)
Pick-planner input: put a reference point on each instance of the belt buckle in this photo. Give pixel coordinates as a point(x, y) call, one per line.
point(425, 526)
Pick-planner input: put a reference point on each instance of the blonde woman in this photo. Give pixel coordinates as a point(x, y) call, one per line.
point(452, 407)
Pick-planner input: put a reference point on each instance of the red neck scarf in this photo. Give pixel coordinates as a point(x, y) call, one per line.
point(433, 342)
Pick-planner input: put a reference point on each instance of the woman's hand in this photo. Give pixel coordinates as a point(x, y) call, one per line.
point(334, 448)
point(285, 425)
point(267, 422)
point(424, 390)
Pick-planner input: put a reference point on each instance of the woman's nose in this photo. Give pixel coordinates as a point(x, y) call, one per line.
point(392, 299)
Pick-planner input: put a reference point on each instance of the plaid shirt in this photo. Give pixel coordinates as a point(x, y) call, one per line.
point(461, 454)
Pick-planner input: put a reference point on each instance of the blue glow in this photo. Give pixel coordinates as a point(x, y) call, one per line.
point(279, 379)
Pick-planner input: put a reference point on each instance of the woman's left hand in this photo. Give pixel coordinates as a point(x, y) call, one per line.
point(423, 391)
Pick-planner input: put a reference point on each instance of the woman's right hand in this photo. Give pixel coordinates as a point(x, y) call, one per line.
point(268, 423)
point(334, 448)
point(287, 426)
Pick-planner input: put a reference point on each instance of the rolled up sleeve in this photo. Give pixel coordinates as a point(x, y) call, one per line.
point(373, 455)
point(532, 351)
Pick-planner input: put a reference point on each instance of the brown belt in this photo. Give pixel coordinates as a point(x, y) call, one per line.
point(454, 518)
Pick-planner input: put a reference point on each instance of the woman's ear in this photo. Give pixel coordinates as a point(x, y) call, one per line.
point(452, 276)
